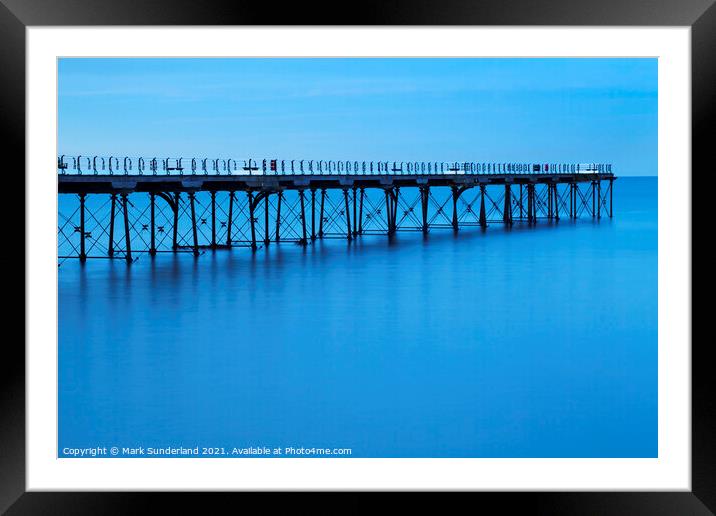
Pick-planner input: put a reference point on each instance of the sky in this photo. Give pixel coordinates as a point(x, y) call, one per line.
point(567, 110)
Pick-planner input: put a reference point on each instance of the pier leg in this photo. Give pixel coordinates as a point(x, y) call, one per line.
point(556, 202)
point(213, 220)
point(483, 216)
point(388, 216)
point(267, 235)
point(231, 216)
point(152, 239)
point(313, 214)
point(507, 211)
point(396, 197)
point(522, 215)
point(110, 248)
point(611, 198)
point(455, 195)
point(572, 200)
point(549, 201)
point(301, 195)
point(360, 212)
point(348, 213)
point(529, 203)
point(320, 218)
point(193, 223)
point(278, 216)
point(355, 210)
point(83, 255)
point(175, 229)
point(424, 199)
point(599, 199)
point(127, 236)
point(575, 189)
point(252, 219)
point(393, 210)
point(594, 192)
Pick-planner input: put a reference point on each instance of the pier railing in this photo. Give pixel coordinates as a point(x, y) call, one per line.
point(125, 165)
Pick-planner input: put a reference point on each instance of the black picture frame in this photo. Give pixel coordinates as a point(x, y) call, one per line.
point(17, 15)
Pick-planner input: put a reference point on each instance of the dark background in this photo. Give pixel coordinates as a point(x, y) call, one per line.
point(15, 15)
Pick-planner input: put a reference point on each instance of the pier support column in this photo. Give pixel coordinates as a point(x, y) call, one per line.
point(549, 200)
point(127, 236)
point(213, 220)
point(355, 210)
point(396, 198)
point(611, 197)
point(152, 238)
point(360, 211)
point(388, 216)
point(267, 230)
point(278, 216)
point(483, 215)
point(193, 223)
point(231, 217)
point(424, 199)
point(302, 198)
point(313, 214)
point(522, 213)
point(252, 219)
point(507, 210)
point(594, 193)
point(455, 195)
point(83, 254)
point(348, 214)
point(599, 199)
point(530, 203)
point(110, 247)
point(267, 234)
point(175, 229)
point(556, 201)
point(573, 200)
point(320, 218)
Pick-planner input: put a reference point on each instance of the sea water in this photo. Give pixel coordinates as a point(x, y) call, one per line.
point(523, 342)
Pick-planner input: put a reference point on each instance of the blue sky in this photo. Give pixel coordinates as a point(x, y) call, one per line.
point(527, 110)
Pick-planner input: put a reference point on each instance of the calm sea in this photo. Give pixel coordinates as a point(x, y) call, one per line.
point(529, 342)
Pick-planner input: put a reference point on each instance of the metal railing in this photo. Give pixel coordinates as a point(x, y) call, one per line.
point(154, 166)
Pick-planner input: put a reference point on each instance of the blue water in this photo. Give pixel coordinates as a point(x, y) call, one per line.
point(536, 342)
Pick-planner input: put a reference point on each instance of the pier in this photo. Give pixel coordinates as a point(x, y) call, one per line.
point(117, 207)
